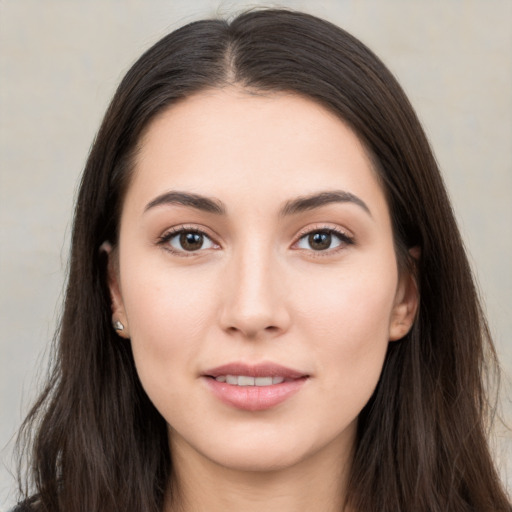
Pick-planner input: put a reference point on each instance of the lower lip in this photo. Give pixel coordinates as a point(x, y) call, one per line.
point(254, 398)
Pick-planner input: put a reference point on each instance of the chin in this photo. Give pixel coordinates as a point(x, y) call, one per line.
point(257, 460)
point(267, 449)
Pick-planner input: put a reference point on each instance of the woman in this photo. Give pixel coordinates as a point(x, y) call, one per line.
point(268, 303)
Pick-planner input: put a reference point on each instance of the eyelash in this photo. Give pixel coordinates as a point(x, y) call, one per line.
point(344, 240)
point(175, 232)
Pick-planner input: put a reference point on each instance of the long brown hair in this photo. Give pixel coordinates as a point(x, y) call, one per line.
point(97, 442)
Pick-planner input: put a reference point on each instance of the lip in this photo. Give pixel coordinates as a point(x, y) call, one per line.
point(254, 398)
point(265, 369)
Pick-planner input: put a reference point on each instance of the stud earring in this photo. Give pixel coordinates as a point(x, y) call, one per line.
point(118, 326)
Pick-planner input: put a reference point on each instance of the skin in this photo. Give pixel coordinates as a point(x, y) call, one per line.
point(258, 291)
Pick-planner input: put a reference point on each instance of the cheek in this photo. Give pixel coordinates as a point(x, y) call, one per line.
point(354, 300)
point(346, 319)
point(169, 314)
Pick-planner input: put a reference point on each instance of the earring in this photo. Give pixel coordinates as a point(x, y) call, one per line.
point(118, 326)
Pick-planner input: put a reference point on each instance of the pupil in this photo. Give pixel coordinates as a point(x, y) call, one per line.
point(320, 241)
point(191, 241)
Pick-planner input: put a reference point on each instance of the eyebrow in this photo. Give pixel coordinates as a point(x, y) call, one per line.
point(199, 202)
point(316, 200)
point(292, 207)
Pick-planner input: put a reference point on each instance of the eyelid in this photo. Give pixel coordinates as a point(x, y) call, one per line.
point(168, 234)
point(346, 237)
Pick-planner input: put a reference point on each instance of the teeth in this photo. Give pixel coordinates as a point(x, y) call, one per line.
point(245, 380)
point(263, 381)
point(232, 379)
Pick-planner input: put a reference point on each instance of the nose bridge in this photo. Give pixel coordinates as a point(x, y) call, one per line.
point(254, 303)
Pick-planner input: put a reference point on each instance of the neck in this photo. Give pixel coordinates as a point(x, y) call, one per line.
point(316, 483)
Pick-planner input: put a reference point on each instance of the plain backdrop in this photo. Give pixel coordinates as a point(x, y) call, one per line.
point(60, 62)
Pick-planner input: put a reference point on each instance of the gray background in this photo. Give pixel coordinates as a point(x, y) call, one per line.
point(60, 62)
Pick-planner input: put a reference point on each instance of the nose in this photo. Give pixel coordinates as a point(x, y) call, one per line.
point(254, 304)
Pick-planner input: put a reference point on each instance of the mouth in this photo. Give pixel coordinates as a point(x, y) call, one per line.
point(247, 380)
point(254, 387)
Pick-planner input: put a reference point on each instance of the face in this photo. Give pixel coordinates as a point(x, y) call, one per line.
point(256, 278)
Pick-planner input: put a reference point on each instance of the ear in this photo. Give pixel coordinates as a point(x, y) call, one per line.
point(118, 312)
point(407, 301)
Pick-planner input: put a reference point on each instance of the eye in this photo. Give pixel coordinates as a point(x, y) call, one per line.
point(187, 240)
point(323, 240)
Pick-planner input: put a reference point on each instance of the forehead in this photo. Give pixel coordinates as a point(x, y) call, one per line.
point(229, 143)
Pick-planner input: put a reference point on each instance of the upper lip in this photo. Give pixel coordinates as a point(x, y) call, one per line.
point(265, 369)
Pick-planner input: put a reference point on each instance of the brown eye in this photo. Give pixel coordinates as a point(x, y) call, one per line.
point(323, 240)
point(191, 241)
point(320, 241)
point(188, 241)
